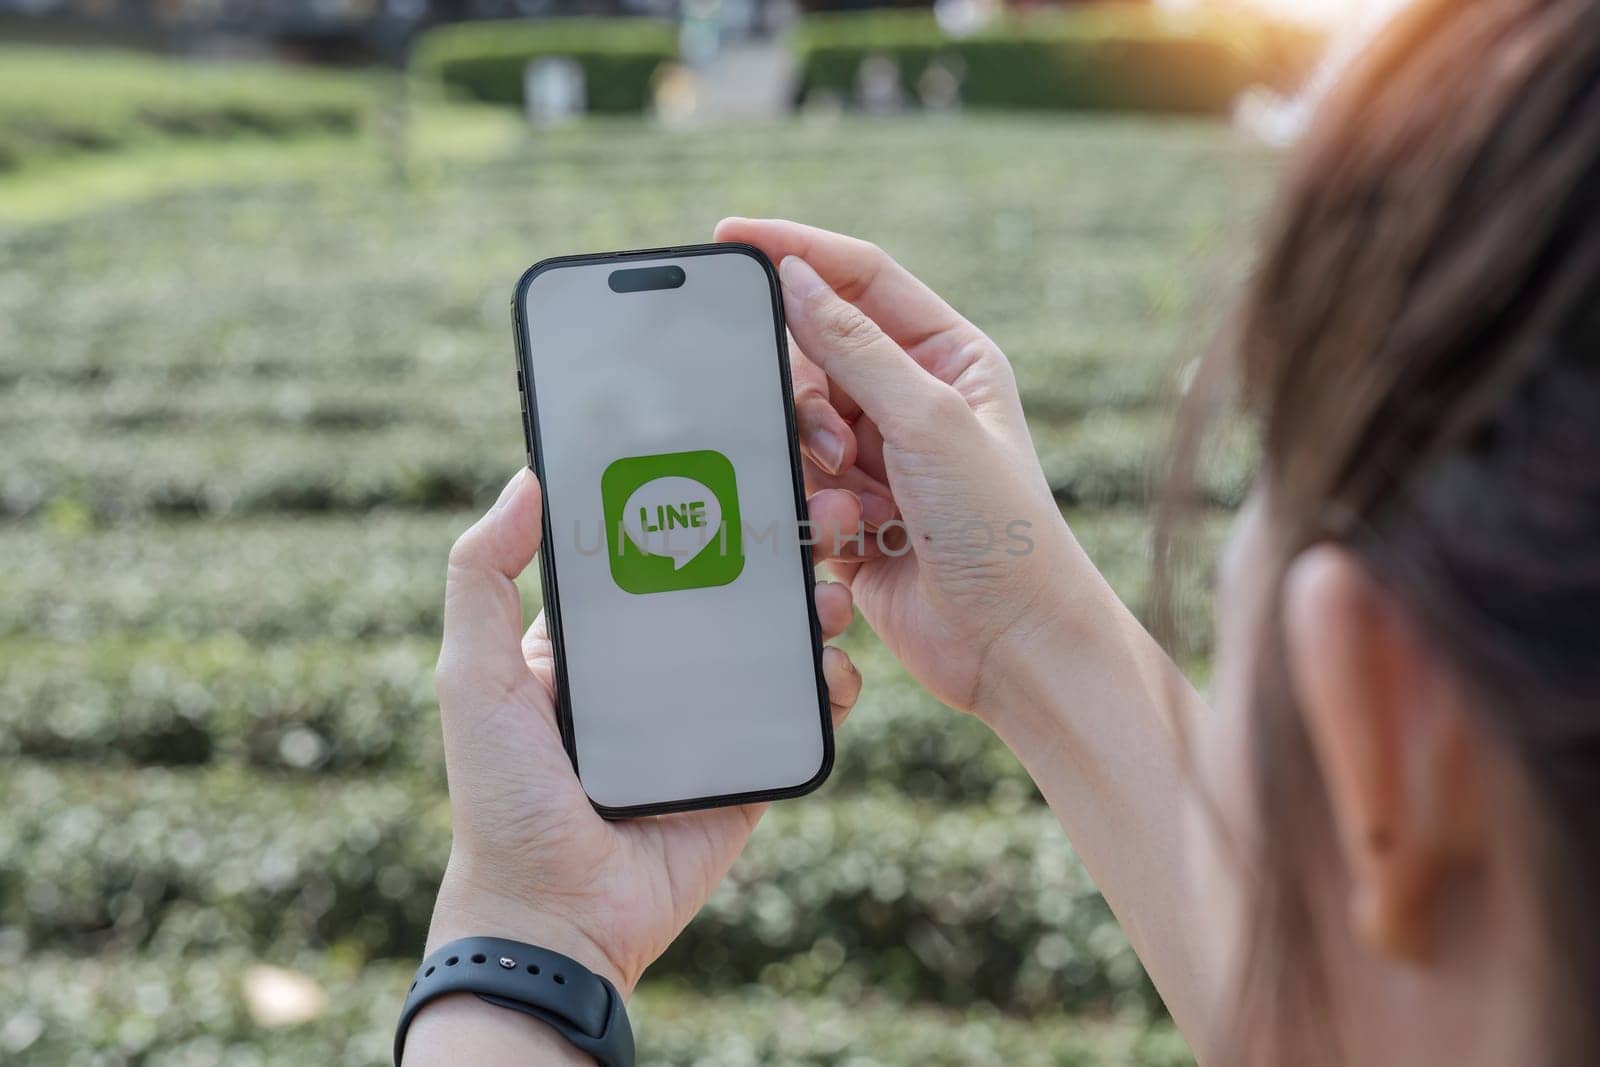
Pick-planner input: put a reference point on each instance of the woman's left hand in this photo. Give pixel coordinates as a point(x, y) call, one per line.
point(531, 859)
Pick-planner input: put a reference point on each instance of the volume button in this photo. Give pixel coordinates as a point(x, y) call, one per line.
point(527, 429)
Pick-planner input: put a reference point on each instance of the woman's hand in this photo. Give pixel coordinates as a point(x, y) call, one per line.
point(904, 402)
point(531, 860)
point(909, 405)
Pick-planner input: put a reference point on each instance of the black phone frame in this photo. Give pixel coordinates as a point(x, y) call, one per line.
point(547, 566)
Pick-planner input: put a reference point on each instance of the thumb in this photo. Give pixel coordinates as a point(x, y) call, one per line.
point(482, 650)
point(907, 402)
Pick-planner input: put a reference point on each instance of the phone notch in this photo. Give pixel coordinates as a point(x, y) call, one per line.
point(644, 279)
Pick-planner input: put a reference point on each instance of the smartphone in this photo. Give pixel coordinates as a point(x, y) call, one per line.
point(677, 577)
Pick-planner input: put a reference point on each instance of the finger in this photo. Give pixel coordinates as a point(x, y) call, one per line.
point(835, 525)
point(908, 311)
point(876, 501)
point(869, 449)
point(536, 648)
point(844, 682)
point(835, 608)
point(482, 645)
point(825, 437)
point(807, 374)
point(896, 393)
point(843, 572)
point(843, 403)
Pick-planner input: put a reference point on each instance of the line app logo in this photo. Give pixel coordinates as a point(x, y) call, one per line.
point(672, 522)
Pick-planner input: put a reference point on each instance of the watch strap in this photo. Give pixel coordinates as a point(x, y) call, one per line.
point(580, 1005)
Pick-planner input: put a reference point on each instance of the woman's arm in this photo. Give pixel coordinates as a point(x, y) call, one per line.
point(1034, 642)
point(1092, 706)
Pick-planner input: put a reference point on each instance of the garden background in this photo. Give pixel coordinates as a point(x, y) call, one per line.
point(256, 375)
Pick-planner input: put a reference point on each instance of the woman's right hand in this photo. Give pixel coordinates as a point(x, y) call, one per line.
point(1037, 644)
point(906, 403)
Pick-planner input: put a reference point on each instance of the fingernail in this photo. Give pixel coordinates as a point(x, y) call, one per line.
point(840, 654)
point(829, 449)
point(876, 509)
point(799, 280)
point(511, 488)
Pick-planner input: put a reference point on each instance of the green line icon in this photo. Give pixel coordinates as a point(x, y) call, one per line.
point(672, 521)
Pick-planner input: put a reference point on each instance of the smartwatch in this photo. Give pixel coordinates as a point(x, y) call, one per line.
point(580, 1005)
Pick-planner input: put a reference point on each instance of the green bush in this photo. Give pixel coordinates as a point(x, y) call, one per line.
point(169, 1011)
point(337, 578)
point(56, 103)
point(1104, 460)
point(1109, 58)
point(958, 906)
point(486, 60)
point(244, 426)
point(274, 580)
point(316, 707)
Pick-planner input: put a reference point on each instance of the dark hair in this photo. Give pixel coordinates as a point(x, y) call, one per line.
point(1421, 349)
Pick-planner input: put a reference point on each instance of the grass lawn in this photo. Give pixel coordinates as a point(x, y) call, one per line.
point(252, 397)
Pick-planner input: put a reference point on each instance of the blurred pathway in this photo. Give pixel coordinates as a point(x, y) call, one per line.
point(747, 80)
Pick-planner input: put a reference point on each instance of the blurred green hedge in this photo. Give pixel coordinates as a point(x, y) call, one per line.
point(56, 103)
point(1097, 58)
point(237, 477)
point(343, 578)
point(314, 709)
point(871, 892)
point(319, 708)
point(190, 1011)
point(1104, 460)
point(313, 706)
point(486, 60)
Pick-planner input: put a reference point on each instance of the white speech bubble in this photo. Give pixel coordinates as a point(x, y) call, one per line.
point(675, 517)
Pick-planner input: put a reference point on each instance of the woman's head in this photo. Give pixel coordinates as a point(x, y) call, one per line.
point(1406, 757)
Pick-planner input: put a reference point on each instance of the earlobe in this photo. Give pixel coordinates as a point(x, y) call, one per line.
point(1390, 734)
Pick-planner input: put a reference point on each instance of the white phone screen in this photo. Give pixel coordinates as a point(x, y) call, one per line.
point(674, 537)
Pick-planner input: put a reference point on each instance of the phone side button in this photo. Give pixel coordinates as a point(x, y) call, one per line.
point(527, 432)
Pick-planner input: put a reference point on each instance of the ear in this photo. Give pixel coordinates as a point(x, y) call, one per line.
point(1393, 738)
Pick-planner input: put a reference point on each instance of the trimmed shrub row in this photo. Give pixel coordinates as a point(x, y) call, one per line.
point(334, 578)
point(322, 708)
point(264, 579)
point(169, 1011)
point(1094, 58)
point(245, 672)
point(1103, 460)
point(308, 707)
point(1058, 377)
point(958, 906)
point(486, 60)
point(54, 104)
point(238, 471)
point(1116, 459)
point(318, 709)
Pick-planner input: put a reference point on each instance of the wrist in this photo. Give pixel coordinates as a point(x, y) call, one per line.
point(1068, 607)
point(460, 1028)
point(1078, 660)
point(468, 907)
